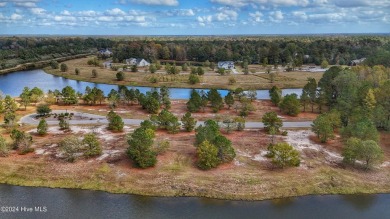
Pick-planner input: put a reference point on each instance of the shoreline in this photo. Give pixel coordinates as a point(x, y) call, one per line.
point(195, 195)
point(40, 64)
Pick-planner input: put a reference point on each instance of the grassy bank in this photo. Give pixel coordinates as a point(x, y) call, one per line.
point(176, 183)
point(39, 64)
point(211, 79)
point(176, 174)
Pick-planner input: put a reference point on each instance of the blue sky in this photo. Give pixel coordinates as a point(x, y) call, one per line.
point(193, 17)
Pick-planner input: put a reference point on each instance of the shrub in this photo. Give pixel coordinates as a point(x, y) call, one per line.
point(207, 156)
point(4, 148)
point(115, 122)
point(193, 79)
point(284, 155)
point(42, 127)
point(120, 76)
point(71, 146)
point(92, 144)
point(94, 73)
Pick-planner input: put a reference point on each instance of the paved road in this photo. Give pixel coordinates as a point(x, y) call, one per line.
point(87, 118)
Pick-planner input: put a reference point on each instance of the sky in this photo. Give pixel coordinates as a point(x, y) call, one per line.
point(193, 17)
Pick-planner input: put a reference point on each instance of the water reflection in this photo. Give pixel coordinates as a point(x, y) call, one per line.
point(13, 84)
point(361, 202)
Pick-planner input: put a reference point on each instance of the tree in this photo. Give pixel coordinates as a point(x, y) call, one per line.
point(71, 146)
point(229, 99)
point(94, 73)
point(93, 147)
point(63, 67)
point(304, 99)
point(166, 120)
point(369, 100)
point(25, 97)
point(276, 95)
point(290, 105)
point(200, 71)
point(69, 95)
point(115, 122)
point(363, 129)
point(54, 64)
point(140, 147)
point(271, 120)
point(284, 155)
point(134, 68)
point(251, 94)
point(311, 90)
point(322, 126)
point(368, 151)
point(188, 121)
point(226, 152)
point(324, 64)
point(207, 155)
point(194, 103)
point(43, 109)
point(184, 67)
point(240, 123)
point(22, 141)
point(42, 127)
point(193, 79)
point(229, 124)
point(36, 94)
point(215, 100)
point(120, 76)
point(208, 132)
point(4, 149)
point(152, 68)
point(64, 125)
point(76, 71)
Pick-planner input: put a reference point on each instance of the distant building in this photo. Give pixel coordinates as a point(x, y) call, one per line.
point(357, 62)
point(105, 52)
point(137, 62)
point(226, 65)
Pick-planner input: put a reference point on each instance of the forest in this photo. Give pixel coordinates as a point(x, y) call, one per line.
point(274, 50)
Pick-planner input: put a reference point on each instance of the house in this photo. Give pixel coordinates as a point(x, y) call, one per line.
point(137, 62)
point(226, 65)
point(357, 62)
point(105, 52)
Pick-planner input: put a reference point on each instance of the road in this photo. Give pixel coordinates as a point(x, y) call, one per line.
point(92, 119)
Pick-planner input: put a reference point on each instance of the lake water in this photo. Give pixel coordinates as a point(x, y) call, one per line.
point(13, 84)
point(70, 203)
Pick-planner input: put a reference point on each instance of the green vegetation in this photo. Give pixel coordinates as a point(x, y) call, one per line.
point(115, 122)
point(188, 121)
point(212, 147)
point(140, 146)
point(166, 120)
point(271, 122)
point(367, 151)
point(284, 155)
point(42, 127)
point(92, 145)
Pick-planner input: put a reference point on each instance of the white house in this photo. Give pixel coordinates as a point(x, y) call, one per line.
point(226, 65)
point(137, 62)
point(357, 61)
point(105, 52)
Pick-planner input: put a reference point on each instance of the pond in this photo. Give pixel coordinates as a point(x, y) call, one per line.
point(13, 84)
point(71, 203)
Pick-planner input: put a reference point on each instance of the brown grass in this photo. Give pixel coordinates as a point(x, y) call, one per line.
point(209, 80)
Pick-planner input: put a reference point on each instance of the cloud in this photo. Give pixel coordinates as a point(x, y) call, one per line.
point(16, 17)
point(3, 4)
point(256, 17)
point(38, 11)
point(226, 15)
point(157, 2)
point(115, 12)
point(276, 16)
point(262, 3)
point(181, 12)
